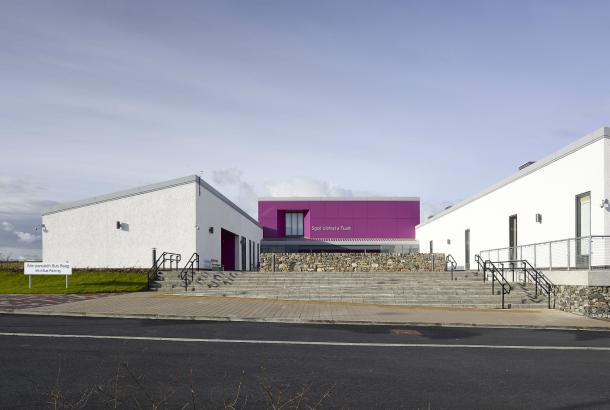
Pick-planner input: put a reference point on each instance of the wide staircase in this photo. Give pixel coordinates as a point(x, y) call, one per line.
point(486, 288)
point(466, 289)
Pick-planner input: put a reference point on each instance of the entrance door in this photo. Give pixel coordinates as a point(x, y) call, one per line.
point(467, 249)
point(227, 249)
point(512, 235)
point(583, 229)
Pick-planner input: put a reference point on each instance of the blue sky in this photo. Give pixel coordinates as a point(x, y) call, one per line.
point(430, 99)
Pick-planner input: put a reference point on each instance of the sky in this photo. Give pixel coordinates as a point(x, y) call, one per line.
point(436, 99)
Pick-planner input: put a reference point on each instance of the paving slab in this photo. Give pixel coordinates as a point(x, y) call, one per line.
point(160, 306)
point(24, 301)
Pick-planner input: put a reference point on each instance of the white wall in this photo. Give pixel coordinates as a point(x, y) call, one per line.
point(550, 191)
point(87, 236)
point(212, 211)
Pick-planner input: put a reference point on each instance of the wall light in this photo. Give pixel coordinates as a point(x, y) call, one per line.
point(539, 218)
point(118, 224)
point(604, 203)
point(211, 229)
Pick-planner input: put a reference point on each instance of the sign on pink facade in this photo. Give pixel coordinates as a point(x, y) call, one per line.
point(343, 219)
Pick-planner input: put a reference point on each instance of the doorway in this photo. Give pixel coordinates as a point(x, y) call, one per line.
point(512, 237)
point(467, 249)
point(227, 249)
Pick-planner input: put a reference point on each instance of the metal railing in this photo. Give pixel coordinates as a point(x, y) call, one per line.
point(496, 276)
point(160, 264)
point(523, 271)
point(584, 253)
point(189, 267)
point(480, 263)
point(450, 264)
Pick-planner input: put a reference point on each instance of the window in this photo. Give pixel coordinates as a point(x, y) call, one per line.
point(583, 229)
point(294, 223)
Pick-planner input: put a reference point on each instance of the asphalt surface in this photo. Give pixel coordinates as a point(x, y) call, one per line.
point(184, 364)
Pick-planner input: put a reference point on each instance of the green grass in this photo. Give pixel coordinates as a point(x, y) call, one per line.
point(12, 281)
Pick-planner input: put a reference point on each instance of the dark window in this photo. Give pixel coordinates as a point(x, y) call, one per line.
point(467, 249)
point(512, 236)
point(294, 223)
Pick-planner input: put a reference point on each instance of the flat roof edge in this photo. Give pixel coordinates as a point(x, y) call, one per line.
point(588, 139)
point(345, 198)
point(359, 241)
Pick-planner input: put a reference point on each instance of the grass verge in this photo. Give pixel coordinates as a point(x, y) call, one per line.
point(79, 282)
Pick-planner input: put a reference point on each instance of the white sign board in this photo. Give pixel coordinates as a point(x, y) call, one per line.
point(43, 268)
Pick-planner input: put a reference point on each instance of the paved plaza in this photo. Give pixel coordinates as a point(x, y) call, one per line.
point(165, 306)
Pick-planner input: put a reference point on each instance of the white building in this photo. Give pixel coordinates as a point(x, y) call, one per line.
point(183, 216)
point(533, 214)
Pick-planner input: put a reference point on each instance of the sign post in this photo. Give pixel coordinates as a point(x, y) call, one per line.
point(44, 268)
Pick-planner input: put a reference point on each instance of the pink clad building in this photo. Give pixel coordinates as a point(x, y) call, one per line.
point(339, 224)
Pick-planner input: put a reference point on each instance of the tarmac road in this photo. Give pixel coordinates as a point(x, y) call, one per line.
point(127, 363)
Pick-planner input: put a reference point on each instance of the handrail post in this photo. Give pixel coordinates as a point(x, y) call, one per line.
point(502, 296)
point(590, 251)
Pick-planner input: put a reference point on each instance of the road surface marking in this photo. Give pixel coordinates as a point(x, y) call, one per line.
point(297, 342)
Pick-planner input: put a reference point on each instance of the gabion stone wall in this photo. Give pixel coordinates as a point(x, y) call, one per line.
point(592, 301)
point(351, 262)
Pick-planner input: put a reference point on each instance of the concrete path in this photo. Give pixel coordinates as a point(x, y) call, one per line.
point(161, 306)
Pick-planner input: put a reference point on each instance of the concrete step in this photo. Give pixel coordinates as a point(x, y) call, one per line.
point(467, 289)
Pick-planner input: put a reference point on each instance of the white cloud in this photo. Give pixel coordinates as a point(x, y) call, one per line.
point(301, 186)
point(237, 188)
point(20, 197)
point(7, 226)
point(26, 237)
point(245, 195)
point(23, 237)
point(428, 209)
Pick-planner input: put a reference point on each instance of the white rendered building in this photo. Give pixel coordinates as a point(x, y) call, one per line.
point(120, 230)
point(536, 214)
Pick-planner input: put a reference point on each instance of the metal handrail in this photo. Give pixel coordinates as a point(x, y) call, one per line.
point(585, 252)
point(539, 279)
point(160, 262)
point(190, 265)
point(544, 243)
point(449, 259)
point(536, 276)
point(480, 262)
point(497, 276)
